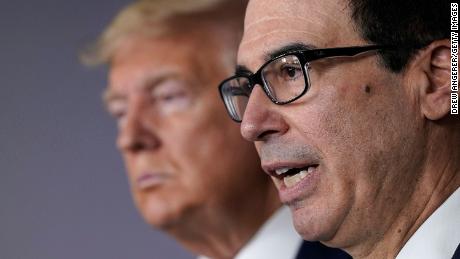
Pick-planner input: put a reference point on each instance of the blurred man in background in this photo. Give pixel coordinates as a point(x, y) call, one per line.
point(191, 173)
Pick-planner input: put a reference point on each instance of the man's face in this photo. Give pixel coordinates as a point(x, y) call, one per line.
point(354, 135)
point(184, 157)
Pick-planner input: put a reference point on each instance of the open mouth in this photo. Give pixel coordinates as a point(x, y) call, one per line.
point(291, 176)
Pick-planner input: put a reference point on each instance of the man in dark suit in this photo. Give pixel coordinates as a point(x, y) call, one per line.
point(191, 173)
point(352, 111)
point(457, 253)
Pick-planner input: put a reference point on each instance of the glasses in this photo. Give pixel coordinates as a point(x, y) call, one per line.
point(284, 78)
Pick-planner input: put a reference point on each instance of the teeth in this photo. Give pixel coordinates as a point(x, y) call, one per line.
point(292, 180)
point(281, 171)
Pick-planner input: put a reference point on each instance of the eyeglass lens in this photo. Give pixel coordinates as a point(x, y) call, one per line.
point(283, 80)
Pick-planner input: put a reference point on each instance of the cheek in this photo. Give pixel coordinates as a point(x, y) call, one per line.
point(344, 126)
point(197, 145)
point(363, 125)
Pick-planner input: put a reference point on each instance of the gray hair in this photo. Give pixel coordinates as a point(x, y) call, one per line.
point(147, 18)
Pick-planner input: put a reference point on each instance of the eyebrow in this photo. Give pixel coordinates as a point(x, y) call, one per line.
point(242, 70)
point(110, 95)
point(295, 46)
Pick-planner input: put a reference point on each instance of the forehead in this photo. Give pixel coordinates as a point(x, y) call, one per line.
point(139, 60)
point(172, 44)
point(272, 24)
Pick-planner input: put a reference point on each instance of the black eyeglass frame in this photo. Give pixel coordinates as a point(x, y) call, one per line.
point(304, 57)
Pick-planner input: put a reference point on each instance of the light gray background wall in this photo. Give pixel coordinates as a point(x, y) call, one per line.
point(63, 192)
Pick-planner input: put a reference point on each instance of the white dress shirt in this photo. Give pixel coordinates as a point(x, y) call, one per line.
point(439, 235)
point(274, 240)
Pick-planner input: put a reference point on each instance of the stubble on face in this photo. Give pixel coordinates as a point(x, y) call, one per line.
point(354, 118)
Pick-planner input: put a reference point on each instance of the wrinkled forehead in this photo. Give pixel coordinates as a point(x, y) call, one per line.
point(271, 24)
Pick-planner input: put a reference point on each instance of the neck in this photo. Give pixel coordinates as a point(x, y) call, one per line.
point(440, 177)
point(221, 235)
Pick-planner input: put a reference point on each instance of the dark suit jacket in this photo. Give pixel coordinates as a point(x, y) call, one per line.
point(316, 250)
point(457, 253)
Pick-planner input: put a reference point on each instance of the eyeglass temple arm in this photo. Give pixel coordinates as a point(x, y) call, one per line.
point(346, 51)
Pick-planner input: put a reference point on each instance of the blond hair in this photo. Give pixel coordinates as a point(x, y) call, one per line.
point(148, 18)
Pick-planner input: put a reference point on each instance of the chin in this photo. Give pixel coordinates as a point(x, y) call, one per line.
point(160, 222)
point(313, 226)
point(158, 213)
point(306, 229)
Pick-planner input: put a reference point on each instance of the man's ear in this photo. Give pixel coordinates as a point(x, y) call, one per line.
point(435, 91)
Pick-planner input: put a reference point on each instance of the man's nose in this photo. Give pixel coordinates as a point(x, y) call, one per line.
point(261, 119)
point(137, 133)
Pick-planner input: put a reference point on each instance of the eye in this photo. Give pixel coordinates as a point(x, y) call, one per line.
point(290, 70)
point(238, 91)
point(117, 109)
point(167, 95)
point(170, 96)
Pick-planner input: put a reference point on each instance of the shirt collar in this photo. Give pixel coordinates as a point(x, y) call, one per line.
point(439, 235)
point(275, 239)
